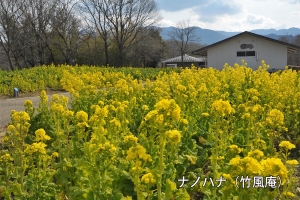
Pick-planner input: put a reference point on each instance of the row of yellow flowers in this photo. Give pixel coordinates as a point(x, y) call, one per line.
point(42, 77)
point(183, 136)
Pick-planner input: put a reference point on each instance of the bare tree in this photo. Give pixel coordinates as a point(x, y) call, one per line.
point(66, 27)
point(9, 27)
point(37, 16)
point(94, 13)
point(149, 49)
point(127, 18)
point(182, 36)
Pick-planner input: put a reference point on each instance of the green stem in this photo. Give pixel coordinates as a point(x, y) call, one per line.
point(159, 184)
point(138, 185)
point(272, 145)
point(215, 157)
point(21, 149)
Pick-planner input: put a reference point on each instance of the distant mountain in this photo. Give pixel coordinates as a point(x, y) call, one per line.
point(291, 31)
point(208, 36)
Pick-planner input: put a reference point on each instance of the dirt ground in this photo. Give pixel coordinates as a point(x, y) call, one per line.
point(32, 94)
point(8, 103)
point(2, 131)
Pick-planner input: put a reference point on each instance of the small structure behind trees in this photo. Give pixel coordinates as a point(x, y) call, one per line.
point(182, 36)
point(185, 61)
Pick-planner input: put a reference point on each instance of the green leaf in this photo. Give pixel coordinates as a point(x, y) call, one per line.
point(90, 196)
point(126, 198)
point(16, 189)
point(183, 195)
point(118, 196)
point(170, 187)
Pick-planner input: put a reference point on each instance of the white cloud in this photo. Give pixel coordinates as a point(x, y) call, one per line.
point(294, 14)
point(238, 15)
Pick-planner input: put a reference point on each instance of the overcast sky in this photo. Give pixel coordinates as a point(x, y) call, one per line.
point(231, 15)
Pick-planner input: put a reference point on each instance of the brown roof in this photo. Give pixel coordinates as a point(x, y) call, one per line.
point(290, 47)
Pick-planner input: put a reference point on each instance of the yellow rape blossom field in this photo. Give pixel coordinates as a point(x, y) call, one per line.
point(154, 135)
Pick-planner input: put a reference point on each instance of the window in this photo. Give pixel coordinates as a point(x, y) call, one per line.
point(241, 54)
point(245, 53)
point(250, 53)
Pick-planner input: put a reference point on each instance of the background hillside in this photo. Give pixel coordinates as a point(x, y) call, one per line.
point(211, 36)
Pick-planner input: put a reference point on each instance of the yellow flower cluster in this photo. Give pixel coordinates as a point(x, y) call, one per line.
point(148, 178)
point(68, 114)
point(55, 154)
point(292, 162)
point(251, 166)
point(287, 145)
point(5, 158)
point(37, 147)
point(274, 167)
point(235, 149)
point(107, 148)
point(275, 118)
point(28, 104)
point(40, 135)
point(240, 105)
point(222, 107)
point(174, 136)
point(166, 111)
point(246, 165)
point(20, 117)
point(81, 116)
point(138, 152)
point(257, 154)
point(169, 107)
point(131, 138)
point(115, 122)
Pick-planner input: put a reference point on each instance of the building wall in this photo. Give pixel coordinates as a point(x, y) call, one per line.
point(274, 54)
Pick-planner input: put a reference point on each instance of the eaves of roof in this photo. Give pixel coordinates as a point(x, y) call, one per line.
point(203, 51)
point(186, 58)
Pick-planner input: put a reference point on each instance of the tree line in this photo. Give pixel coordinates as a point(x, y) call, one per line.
point(93, 32)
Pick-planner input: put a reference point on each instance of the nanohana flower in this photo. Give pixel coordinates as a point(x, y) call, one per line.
point(28, 104)
point(81, 116)
point(37, 147)
point(107, 148)
point(292, 162)
point(169, 107)
point(257, 154)
point(20, 116)
point(205, 114)
point(247, 165)
point(274, 167)
point(40, 135)
point(287, 145)
point(235, 149)
point(55, 154)
point(131, 138)
point(145, 107)
point(174, 136)
point(275, 117)
point(148, 178)
point(223, 107)
point(288, 194)
point(184, 121)
point(6, 157)
point(138, 152)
